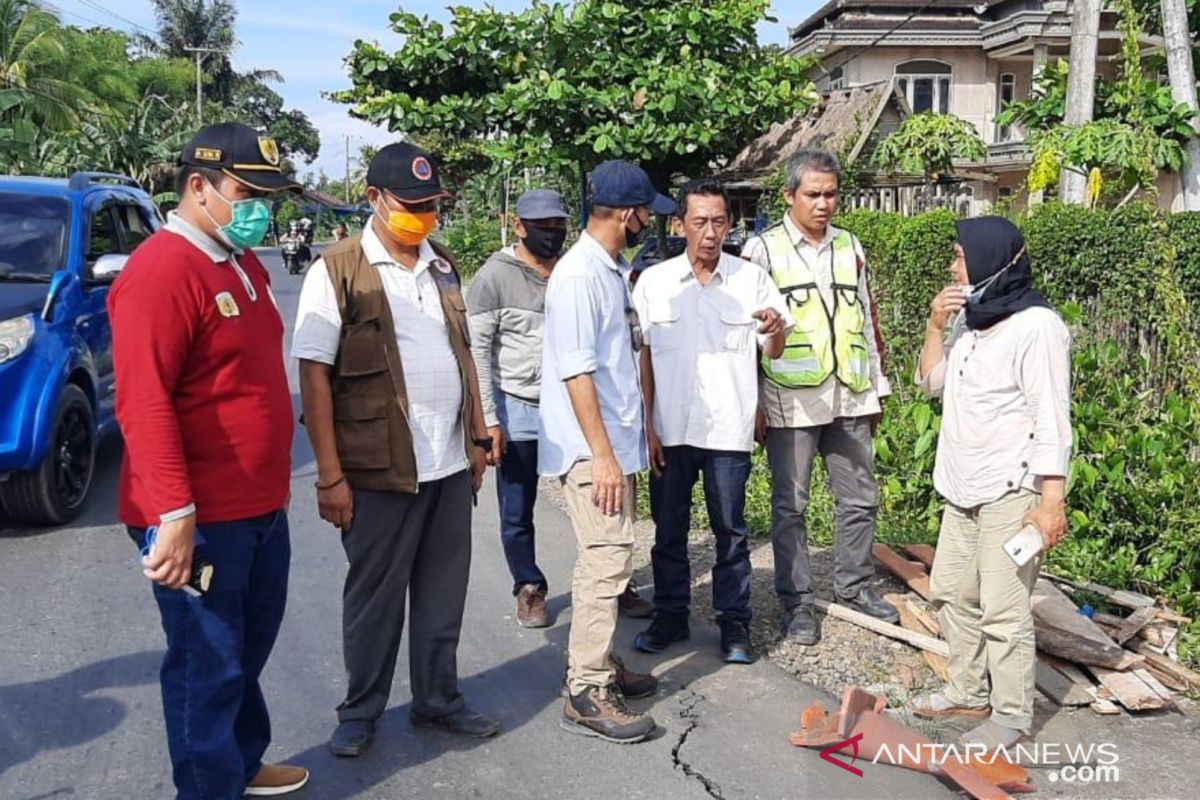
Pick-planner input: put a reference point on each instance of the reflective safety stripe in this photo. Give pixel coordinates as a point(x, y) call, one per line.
point(797, 366)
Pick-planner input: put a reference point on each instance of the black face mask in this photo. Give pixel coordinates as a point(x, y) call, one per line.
point(634, 239)
point(544, 242)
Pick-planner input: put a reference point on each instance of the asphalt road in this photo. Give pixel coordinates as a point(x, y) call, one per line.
point(80, 714)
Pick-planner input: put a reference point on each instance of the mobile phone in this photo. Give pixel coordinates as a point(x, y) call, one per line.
point(1025, 545)
point(202, 571)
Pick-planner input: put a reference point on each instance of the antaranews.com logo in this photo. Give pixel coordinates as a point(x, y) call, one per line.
point(1067, 763)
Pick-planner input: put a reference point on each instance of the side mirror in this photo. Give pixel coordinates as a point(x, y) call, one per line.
point(108, 267)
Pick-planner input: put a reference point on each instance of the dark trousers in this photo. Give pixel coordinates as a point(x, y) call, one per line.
point(725, 476)
point(848, 450)
point(217, 645)
point(414, 550)
point(516, 490)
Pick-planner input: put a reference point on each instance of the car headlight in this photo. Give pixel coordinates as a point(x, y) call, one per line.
point(15, 336)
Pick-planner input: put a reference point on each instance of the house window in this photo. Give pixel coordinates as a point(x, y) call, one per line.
point(1008, 93)
point(925, 84)
point(837, 79)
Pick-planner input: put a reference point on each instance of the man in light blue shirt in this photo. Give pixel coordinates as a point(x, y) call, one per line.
point(592, 438)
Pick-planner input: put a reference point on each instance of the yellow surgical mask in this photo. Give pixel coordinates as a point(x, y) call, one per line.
point(410, 228)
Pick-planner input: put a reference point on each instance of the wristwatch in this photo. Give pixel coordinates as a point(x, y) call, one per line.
point(484, 443)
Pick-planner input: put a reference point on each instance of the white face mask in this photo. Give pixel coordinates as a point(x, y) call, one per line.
point(974, 293)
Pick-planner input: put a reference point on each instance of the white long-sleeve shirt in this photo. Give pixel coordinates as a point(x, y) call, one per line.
point(1006, 417)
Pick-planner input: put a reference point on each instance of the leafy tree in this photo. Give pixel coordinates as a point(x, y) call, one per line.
point(31, 97)
point(260, 106)
point(674, 86)
point(198, 23)
point(929, 143)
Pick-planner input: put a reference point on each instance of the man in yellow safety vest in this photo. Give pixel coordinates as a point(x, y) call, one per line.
point(822, 395)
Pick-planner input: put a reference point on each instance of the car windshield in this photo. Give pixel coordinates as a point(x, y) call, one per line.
point(33, 235)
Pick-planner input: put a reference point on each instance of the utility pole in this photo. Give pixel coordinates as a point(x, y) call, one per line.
point(347, 169)
point(200, 53)
point(1183, 90)
point(1081, 87)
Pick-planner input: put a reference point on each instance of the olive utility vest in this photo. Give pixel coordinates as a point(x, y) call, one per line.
point(370, 401)
point(824, 343)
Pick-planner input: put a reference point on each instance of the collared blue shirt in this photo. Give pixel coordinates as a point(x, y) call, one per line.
point(589, 330)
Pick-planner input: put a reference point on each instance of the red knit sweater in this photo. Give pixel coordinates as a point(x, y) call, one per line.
point(202, 395)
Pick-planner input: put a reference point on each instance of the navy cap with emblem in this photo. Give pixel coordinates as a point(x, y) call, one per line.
point(407, 172)
point(620, 184)
point(240, 152)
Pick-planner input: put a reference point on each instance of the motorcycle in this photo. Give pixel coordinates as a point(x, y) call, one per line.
point(292, 257)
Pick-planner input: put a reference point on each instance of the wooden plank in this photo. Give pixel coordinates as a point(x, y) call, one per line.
point(1178, 672)
point(1070, 670)
point(926, 617)
point(1062, 631)
point(1058, 687)
point(909, 620)
point(1121, 597)
point(919, 640)
point(923, 553)
point(1155, 686)
point(911, 572)
point(1128, 689)
point(1134, 623)
point(1156, 633)
point(1166, 678)
point(1103, 703)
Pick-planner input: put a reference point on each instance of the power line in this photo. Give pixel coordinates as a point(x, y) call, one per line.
point(116, 16)
point(855, 53)
point(63, 12)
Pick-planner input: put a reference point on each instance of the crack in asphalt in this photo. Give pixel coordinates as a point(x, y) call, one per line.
point(689, 714)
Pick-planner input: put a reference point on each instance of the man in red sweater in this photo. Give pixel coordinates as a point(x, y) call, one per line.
point(206, 413)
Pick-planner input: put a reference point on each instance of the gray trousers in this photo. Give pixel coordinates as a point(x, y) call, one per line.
point(849, 457)
point(414, 547)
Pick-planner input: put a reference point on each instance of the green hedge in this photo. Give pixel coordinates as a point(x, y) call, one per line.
point(1126, 282)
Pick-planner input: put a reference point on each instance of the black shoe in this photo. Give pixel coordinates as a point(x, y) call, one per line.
point(663, 630)
point(463, 722)
point(735, 643)
point(352, 737)
point(872, 605)
point(799, 625)
point(601, 712)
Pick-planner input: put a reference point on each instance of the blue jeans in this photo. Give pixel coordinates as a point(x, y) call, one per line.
point(725, 476)
point(217, 645)
point(516, 488)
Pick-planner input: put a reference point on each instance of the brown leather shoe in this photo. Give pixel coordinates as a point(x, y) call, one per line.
point(633, 685)
point(601, 712)
point(531, 607)
point(631, 604)
point(273, 780)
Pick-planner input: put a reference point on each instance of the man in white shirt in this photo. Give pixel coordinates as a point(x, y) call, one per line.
point(822, 395)
point(392, 407)
point(592, 438)
point(705, 314)
point(1004, 373)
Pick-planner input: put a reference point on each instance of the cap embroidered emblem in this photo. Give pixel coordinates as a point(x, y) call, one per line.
point(269, 150)
point(208, 154)
point(422, 169)
point(227, 306)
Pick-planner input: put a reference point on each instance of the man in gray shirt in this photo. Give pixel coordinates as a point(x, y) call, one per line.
point(506, 304)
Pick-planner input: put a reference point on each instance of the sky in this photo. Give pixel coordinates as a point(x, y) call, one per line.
point(307, 47)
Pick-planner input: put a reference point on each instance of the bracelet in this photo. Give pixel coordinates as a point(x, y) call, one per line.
point(326, 487)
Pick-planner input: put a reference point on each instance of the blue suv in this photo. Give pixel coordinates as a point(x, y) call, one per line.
point(62, 244)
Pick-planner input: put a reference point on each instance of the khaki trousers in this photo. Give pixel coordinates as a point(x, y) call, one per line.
point(603, 564)
point(983, 602)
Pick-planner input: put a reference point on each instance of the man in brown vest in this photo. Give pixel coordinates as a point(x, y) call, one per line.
point(391, 403)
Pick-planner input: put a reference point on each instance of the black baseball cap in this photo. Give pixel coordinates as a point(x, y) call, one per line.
point(240, 152)
point(407, 172)
point(620, 184)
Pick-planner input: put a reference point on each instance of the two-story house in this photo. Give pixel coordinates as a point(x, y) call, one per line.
point(964, 57)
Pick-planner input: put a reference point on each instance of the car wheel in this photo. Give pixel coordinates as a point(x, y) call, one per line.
point(56, 491)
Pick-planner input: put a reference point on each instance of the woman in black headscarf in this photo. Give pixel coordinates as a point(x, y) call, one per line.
point(1003, 371)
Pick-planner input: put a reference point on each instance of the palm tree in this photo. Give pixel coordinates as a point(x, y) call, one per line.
point(198, 23)
point(29, 36)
